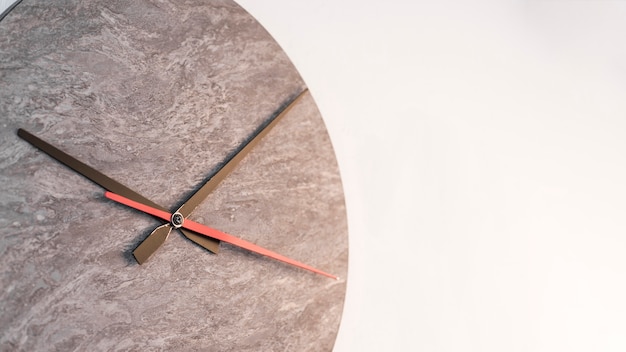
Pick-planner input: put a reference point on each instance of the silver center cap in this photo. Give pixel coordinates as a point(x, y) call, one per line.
point(177, 220)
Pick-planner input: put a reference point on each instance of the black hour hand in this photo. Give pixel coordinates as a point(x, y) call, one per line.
point(160, 234)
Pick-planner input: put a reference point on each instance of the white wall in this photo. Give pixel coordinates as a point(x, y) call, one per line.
point(482, 153)
point(4, 4)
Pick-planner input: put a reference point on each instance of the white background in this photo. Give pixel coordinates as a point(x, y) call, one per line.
point(481, 146)
point(4, 4)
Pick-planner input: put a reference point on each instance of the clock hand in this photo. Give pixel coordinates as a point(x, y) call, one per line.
point(177, 220)
point(105, 182)
point(160, 234)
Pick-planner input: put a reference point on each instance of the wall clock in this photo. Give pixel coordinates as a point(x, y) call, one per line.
point(160, 96)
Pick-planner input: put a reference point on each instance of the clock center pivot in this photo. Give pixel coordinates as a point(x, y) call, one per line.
point(177, 220)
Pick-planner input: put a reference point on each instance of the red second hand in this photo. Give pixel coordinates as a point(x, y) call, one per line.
point(209, 232)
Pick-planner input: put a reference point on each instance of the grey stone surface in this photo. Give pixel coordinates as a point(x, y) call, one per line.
point(157, 94)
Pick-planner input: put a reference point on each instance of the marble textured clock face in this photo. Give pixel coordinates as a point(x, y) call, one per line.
point(157, 95)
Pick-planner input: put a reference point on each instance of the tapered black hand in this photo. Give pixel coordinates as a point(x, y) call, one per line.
point(160, 234)
point(106, 182)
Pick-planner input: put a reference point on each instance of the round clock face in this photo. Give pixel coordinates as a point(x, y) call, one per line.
point(162, 97)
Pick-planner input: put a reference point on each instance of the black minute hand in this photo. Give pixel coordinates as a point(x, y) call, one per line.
point(160, 234)
point(104, 181)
